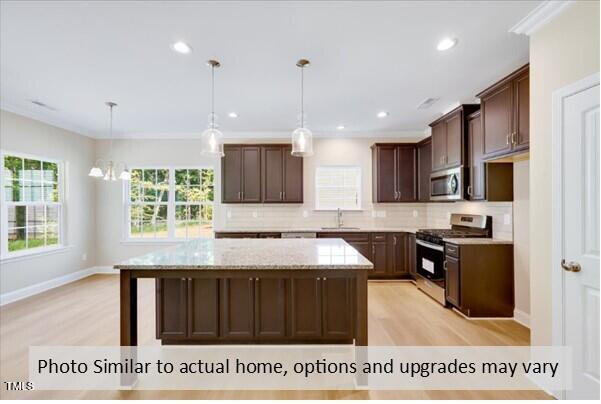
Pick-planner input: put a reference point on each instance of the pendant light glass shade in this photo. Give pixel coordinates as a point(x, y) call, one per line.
point(95, 172)
point(302, 138)
point(211, 140)
point(302, 142)
point(211, 143)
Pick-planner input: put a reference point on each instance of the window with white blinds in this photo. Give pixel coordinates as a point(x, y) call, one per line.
point(338, 187)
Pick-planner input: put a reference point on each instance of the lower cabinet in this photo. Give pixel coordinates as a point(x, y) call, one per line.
point(299, 308)
point(411, 256)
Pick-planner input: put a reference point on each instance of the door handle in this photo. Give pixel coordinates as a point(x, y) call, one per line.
point(571, 266)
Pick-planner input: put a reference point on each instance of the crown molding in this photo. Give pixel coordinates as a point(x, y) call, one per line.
point(274, 135)
point(540, 16)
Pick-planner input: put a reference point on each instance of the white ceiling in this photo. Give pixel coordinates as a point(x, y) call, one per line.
point(366, 57)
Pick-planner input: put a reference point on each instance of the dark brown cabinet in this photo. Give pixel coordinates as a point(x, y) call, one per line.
point(241, 174)
point(505, 115)
point(171, 296)
point(337, 298)
point(448, 138)
point(394, 172)
point(305, 307)
point(411, 256)
point(452, 281)
point(270, 308)
point(282, 175)
point(203, 306)
point(379, 254)
point(261, 173)
point(476, 292)
point(475, 189)
point(237, 303)
point(424, 169)
point(487, 181)
point(398, 254)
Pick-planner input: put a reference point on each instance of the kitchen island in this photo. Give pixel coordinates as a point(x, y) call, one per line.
point(241, 291)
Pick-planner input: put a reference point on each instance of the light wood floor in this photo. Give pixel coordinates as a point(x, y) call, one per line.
point(87, 313)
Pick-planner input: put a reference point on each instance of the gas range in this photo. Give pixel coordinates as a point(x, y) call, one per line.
point(462, 226)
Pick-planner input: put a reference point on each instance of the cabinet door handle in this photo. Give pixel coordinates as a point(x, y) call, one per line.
point(256, 279)
point(281, 195)
point(469, 190)
point(373, 249)
point(318, 279)
point(507, 139)
point(444, 265)
point(394, 240)
point(250, 279)
point(325, 279)
point(239, 195)
point(514, 138)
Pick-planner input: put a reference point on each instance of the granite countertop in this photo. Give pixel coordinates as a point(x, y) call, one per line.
point(476, 241)
point(322, 230)
point(252, 254)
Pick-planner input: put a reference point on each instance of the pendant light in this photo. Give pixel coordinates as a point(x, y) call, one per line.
point(211, 140)
point(302, 138)
point(110, 173)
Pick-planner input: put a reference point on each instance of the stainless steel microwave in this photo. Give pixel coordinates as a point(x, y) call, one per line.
point(447, 185)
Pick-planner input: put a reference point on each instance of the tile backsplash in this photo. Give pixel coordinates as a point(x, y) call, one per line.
point(416, 215)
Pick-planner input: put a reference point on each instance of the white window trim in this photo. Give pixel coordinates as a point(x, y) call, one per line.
point(170, 239)
point(7, 256)
point(359, 193)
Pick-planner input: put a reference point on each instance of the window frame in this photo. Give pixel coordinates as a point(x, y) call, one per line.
point(6, 255)
point(171, 204)
point(359, 188)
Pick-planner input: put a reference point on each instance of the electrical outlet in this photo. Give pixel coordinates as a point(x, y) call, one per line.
point(448, 215)
point(506, 219)
point(84, 256)
point(229, 214)
point(415, 213)
point(255, 215)
point(305, 213)
point(382, 213)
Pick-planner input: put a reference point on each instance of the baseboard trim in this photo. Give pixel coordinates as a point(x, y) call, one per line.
point(33, 290)
point(521, 317)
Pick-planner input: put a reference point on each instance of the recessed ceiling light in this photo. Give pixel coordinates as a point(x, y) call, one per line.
point(340, 127)
point(446, 44)
point(181, 47)
point(232, 115)
point(382, 114)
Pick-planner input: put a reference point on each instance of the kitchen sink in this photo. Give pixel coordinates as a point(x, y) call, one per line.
point(340, 228)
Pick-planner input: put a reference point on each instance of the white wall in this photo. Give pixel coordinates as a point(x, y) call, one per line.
point(561, 52)
point(20, 134)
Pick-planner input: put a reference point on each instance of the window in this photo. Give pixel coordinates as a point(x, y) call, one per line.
point(338, 187)
point(170, 203)
point(31, 212)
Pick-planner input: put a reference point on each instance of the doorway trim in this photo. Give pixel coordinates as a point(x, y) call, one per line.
point(557, 163)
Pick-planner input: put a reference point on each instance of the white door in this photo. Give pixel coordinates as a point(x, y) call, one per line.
point(576, 145)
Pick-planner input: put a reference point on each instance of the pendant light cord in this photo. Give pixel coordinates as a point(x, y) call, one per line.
point(111, 132)
point(302, 97)
point(212, 96)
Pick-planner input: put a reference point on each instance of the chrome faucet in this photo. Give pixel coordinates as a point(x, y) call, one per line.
point(339, 217)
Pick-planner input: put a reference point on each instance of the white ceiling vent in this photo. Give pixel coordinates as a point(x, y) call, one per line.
point(427, 103)
point(41, 104)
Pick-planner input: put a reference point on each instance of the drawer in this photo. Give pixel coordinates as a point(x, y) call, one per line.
point(270, 235)
point(452, 250)
point(236, 235)
point(379, 236)
point(346, 236)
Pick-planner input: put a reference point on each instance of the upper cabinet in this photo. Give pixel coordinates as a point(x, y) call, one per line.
point(261, 173)
point(424, 169)
point(282, 175)
point(394, 172)
point(448, 138)
point(487, 181)
point(505, 115)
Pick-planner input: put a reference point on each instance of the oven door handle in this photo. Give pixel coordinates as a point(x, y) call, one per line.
point(430, 245)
